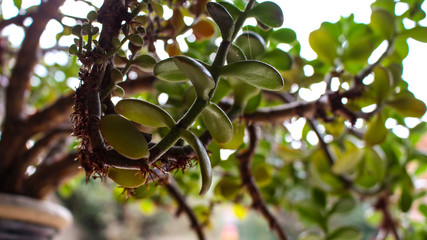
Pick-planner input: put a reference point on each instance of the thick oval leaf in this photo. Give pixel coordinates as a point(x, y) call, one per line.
point(228, 187)
point(222, 18)
point(382, 83)
point(346, 233)
point(144, 113)
point(269, 13)
point(407, 105)
point(217, 123)
point(344, 205)
point(203, 29)
point(123, 136)
point(222, 89)
point(279, 59)
point(144, 63)
point(200, 77)
point(238, 135)
point(233, 10)
point(324, 45)
point(418, 33)
point(376, 132)
point(263, 174)
point(235, 54)
point(255, 73)
point(202, 155)
point(348, 161)
point(167, 70)
point(127, 178)
point(242, 92)
point(383, 22)
point(359, 49)
point(284, 35)
point(252, 44)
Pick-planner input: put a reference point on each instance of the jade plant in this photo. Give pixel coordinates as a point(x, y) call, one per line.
point(157, 122)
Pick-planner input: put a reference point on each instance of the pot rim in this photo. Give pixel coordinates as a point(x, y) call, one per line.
point(22, 208)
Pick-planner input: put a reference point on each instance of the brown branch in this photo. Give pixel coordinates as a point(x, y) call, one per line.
point(32, 156)
point(388, 223)
point(18, 20)
point(48, 177)
point(183, 206)
point(13, 139)
point(258, 203)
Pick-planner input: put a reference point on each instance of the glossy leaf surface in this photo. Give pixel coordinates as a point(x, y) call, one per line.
point(217, 123)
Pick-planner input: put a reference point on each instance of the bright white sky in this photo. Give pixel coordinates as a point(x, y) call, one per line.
point(303, 16)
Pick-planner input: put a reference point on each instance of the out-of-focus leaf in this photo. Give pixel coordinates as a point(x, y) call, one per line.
point(263, 174)
point(376, 132)
point(324, 45)
point(407, 105)
point(343, 205)
point(406, 199)
point(17, 3)
point(418, 33)
point(237, 140)
point(223, 89)
point(203, 29)
point(348, 161)
point(279, 59)
point(284, 35)
point(309, 211)
point(382, 83)
point(228, 187)
point(383, 22)
point(346, 233)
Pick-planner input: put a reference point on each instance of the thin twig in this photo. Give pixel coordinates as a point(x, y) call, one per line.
point(258, 202)
point(174, 192)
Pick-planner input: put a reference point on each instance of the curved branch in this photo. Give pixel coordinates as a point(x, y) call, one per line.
point(39, 186)
point(259, 204)
point(183, 206)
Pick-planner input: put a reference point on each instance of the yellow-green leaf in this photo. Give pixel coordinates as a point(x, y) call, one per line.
point(144, 112)
point(348, 161)
point(376, 132)
point(123, 136)
point(217, 123)
point(382, 83)
point(383, 22)
point(407, 105)
point(202, 155)
point(126, 177)
point(324, 45)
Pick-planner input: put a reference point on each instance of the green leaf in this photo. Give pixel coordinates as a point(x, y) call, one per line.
point(217, 123)
point(222, 18)
point(144, 113)
point(126, 177)
point(17, 3)
point(252, 44)
point(242, 92)
point(376, 132)
point(238, 135)
point(222, 89)
point(145, 63)
point(228, 187)
point(167, 70)
point(235, 54)
point(345, 233)
point(348, 161)
point(388, 5)
point(284, 35)
point(308, 210)
point(123, 136)
point(418, 33)
point(202, 155)
point(279, 59)
point(233, 10)
point(344, 205)
point(407, 105)
point(382, 83)
point(255, 73)
point(324, 45)
point(200, 77)
point(383, 22)
point(406, 199)
point(263, 174)
point(269, 13)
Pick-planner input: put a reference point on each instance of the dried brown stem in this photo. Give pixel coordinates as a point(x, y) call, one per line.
point(258, 203)
point(183, 206)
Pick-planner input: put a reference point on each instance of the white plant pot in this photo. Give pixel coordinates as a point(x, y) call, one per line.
point(28, 218)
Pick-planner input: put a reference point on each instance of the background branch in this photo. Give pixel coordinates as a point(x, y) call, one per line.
point(258, 203)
